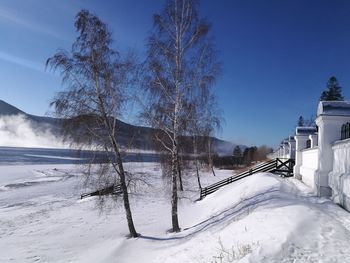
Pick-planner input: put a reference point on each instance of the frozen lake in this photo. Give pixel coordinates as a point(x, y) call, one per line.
point(17, 155)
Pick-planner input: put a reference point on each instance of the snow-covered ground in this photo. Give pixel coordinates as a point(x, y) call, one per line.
point(263, 218)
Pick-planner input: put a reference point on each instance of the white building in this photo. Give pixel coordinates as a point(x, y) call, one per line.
point(286, 149)
point(322, 154)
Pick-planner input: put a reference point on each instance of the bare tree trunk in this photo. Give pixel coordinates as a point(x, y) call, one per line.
point(178, 60)
point(210, 157)
point(124, 188)
point(212, 169)
point(127, 208)
point(120, 170)
point(174, 197)
point(179, 172)
point(196, 162)
point(198, 177)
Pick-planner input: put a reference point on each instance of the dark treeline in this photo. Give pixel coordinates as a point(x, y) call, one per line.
point(240, 159)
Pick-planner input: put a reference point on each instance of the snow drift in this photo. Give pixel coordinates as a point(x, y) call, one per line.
point(262, 218)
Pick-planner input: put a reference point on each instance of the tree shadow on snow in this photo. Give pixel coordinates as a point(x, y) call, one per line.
point(235, 213)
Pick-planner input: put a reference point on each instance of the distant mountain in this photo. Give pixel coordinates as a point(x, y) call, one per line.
point(137, 137)
point(7, 109)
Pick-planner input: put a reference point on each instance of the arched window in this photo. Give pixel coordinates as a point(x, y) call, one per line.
point(345, 131)
point(308, 143)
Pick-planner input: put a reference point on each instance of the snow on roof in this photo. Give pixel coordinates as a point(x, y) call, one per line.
point(288, 139)
point(305, 130)
point(341, 108)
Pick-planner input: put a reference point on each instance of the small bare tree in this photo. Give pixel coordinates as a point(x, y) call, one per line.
point(177, 46)
point(211, 123)
point(205, 121)
point(96, 79)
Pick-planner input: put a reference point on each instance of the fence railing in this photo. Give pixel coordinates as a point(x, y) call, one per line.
point(284, 167)
point(113, 189)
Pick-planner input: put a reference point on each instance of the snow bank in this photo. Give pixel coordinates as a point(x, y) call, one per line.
point(339, 108)
point(262, 218)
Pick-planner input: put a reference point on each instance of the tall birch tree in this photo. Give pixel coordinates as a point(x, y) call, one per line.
point(96, 79)
point(176, 47)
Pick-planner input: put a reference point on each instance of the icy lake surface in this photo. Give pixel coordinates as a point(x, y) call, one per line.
point(17, 155)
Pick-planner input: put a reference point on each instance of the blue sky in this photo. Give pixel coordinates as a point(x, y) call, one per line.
point(277, 55)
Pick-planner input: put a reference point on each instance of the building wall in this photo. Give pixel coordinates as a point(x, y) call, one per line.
point(282, 153)
point(326, 168)
point(339, 177)
point(308, 168)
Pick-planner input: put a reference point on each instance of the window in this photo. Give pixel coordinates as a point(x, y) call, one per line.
point(345, 131)
point(308, 143)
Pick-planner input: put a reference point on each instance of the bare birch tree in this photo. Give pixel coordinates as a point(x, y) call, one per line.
point(96, 79)
point(205, 115)
point(175, 48)
point(205, 121)
point(212, 120)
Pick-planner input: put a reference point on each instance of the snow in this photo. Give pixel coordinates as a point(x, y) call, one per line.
point(305, 130)
point(262, 218)
point(340, 108)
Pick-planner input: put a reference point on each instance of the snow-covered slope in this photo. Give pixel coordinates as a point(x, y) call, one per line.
point(262, 218)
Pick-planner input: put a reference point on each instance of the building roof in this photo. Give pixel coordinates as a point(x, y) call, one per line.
point(335, 108)
point(305, 130)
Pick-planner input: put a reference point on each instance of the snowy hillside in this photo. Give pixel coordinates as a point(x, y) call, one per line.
point(262, 218)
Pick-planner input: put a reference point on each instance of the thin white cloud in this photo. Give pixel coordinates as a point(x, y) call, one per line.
point(14, 17)
point(22, 62)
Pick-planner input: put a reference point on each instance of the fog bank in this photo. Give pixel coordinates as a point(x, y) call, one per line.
point(18, 131)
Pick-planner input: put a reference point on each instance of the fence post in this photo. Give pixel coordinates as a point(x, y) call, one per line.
point(276, 162)
point(203, 191)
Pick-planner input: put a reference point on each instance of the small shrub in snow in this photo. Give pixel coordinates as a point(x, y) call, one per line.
point(235, 253)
